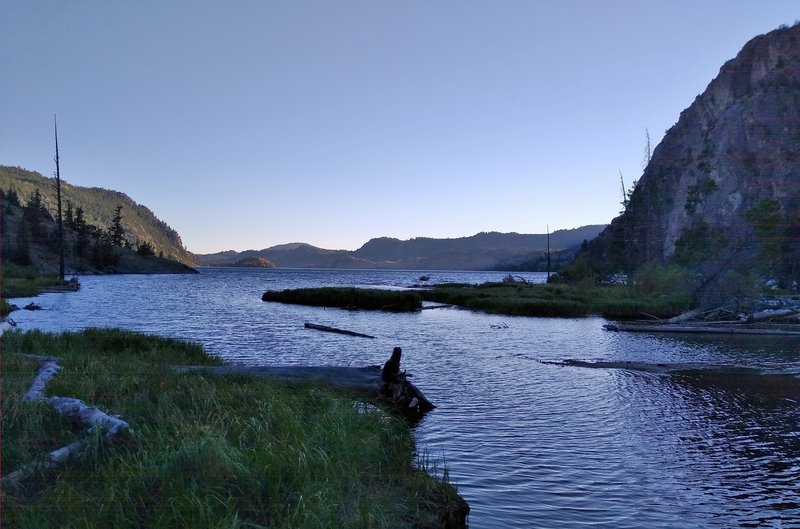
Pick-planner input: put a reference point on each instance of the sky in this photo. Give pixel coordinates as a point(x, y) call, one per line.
point(246, 124)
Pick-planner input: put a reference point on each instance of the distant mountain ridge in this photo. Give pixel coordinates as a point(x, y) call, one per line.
point(482, 251)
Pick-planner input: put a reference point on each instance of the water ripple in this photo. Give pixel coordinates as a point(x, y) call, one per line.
point(529, 444)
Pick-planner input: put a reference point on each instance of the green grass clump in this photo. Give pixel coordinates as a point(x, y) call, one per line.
point(206, 451)
point(5, 308)
point(350, 298)
point(648, 295)
point(565, 300)
point(513, 299)
point(24, 282)
point(624, 303)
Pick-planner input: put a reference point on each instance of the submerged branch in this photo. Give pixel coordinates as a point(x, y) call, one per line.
point(325, 328)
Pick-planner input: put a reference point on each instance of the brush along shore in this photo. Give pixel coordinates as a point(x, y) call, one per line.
point(507, 297)
point(203, 450)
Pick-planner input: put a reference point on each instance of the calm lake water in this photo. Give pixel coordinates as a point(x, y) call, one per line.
point(529, 444)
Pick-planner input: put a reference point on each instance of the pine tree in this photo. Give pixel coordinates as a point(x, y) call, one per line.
point(103, 254)
point(22, 253)
point(35, 201)
point(79, 223)
point(145, 249)
point(33, 213)
point(69, 217)
point(116, 232)
point(12, 197)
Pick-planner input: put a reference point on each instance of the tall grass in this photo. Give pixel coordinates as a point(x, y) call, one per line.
point(562, 300)
point(652, 293)
point(514, 299)
point(206, 451)
point(24, 281)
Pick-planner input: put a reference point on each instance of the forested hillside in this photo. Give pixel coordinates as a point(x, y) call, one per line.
point(98, 208)
point(483, 251)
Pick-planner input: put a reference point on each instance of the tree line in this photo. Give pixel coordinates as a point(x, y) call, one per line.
point(88, 245)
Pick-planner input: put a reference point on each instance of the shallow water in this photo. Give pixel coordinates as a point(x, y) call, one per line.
point(529, 444)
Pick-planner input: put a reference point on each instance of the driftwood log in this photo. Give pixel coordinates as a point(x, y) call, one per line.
point(325, 328)
point(768, 314)
point(396, 388)
point(707, 327)
point(75, 409)
point(778, 310)
point(389, 385)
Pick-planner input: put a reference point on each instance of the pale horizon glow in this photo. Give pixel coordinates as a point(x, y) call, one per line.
point(245, 125)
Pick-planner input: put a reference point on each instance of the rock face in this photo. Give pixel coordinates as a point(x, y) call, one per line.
point(735, 149)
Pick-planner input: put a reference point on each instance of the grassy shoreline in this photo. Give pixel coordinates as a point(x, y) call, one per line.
point(23, 282)
point(206, 451)
point(510, 298)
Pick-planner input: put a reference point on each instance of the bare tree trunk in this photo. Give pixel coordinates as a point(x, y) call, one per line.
point(548, 253)
point(58, 200)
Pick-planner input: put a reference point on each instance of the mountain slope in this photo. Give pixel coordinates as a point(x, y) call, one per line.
point(140, 224)
point(479, 252)
point(722, 189)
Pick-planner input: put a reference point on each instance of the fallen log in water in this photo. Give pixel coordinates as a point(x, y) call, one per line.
point(398, 391)
point(390, 387)
point(707, 327)
point(325, 328)
point(624, 364)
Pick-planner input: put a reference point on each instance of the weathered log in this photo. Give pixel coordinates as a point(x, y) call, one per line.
point(396, 388)
point(623, 364)
point(393, 388)
point(768, 314)
point(706, 327)
point(91, 416)
point(48, 367)
point(325, 328)
point(685, 316)
point(75, 409)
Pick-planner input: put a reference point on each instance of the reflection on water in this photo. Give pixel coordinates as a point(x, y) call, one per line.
point(732, 446)
point(529, 444)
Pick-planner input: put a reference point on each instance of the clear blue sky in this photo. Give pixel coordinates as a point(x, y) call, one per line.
point(249, 124)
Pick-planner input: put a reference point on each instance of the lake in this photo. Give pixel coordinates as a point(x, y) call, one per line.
point(528, 443)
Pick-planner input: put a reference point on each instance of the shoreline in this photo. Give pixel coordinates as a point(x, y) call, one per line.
point(95, 385)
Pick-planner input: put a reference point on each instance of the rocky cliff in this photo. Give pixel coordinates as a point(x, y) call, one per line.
point(723, 186)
